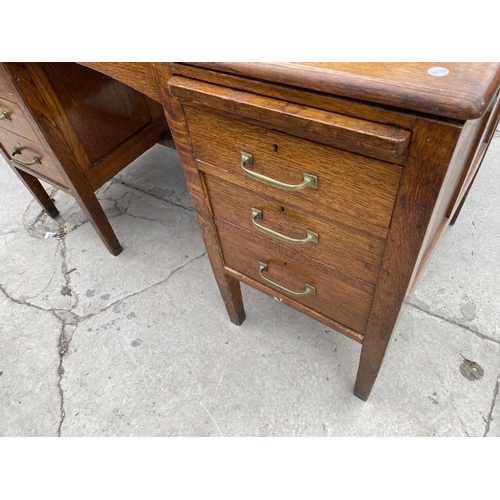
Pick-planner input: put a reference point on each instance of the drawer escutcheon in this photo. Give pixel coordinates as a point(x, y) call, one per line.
point(246, 160)
point(309, 289)
point(311, 236)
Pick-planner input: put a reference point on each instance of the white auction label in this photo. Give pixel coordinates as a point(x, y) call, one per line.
point(437, 71)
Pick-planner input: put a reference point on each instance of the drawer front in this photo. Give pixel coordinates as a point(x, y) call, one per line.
point(352, 189)
point(338, 296)
point(5, 84)
point(30, 150)
point(348, 249)
point(13, 120)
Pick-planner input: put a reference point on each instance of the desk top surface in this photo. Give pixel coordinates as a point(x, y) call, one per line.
point(453, 90)
point(461, 91)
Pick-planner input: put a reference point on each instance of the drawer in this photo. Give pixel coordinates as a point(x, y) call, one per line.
point(353, 189)
point(338, 245)
point(338, 296)
point(378, 140)
point(13, 120)
point(5, 84)
point(30, 150)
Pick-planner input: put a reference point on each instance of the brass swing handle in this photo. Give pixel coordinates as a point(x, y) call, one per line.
point(18, 152)
point(310, 235)
point(309, 289)
point(5, 116)
point(246, 160)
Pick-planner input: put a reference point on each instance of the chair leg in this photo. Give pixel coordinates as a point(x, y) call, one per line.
point(36, 189)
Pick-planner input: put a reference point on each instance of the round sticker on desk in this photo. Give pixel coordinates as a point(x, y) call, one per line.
point(437, 71)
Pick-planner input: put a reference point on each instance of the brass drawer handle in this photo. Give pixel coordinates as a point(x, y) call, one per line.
point(33, 162)
point(246, 160)
point(310, 235)
point(309, 289)
point(5, 116)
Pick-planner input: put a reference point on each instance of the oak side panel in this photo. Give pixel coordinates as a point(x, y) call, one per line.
point(489, 124)
point(103, 112)
point(432, 148)
point(116, 160)
point(39, 102)
point(473, 145)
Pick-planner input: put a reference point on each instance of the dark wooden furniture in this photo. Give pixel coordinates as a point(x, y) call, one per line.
point(74, 128)
point(327, 186)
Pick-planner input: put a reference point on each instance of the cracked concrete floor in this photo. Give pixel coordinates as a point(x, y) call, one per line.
point(140, 344)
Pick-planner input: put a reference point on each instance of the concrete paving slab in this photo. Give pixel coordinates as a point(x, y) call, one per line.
point(152, 250)
point(163, 178)
point(30, 402)
point(15, 199)
point(461, 283)
point(183, 370)
point(493, 429)
point(32, 270)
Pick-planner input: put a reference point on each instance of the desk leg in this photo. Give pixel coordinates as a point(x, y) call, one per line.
point(95, 214)
point(36, 189)
point(229, 287)
point(422, 187)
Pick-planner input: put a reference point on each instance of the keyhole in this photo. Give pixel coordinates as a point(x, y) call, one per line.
point(282, 209)
point(275, 148)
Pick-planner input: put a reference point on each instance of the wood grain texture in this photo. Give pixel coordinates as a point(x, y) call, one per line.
point(339, 296)
point(433, 145)
point(29, 149)
point(138, 75)
point(461, 163)
point(341, 246)
point(229, 287)
point(488, 127)
point(5, 84)
point(17, 124)
point(102, 112)
point(88, 126)
point(117, 159)
point(41, 105)
point(296, 305)
point(352, 189)
point(465, 93)
point(319, 100)
point(334, 129)
point(469, 153)
point(438, 164)
point(38, 100)
point(38, 192)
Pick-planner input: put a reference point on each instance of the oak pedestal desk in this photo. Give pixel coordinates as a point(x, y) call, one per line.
point(326, 186)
